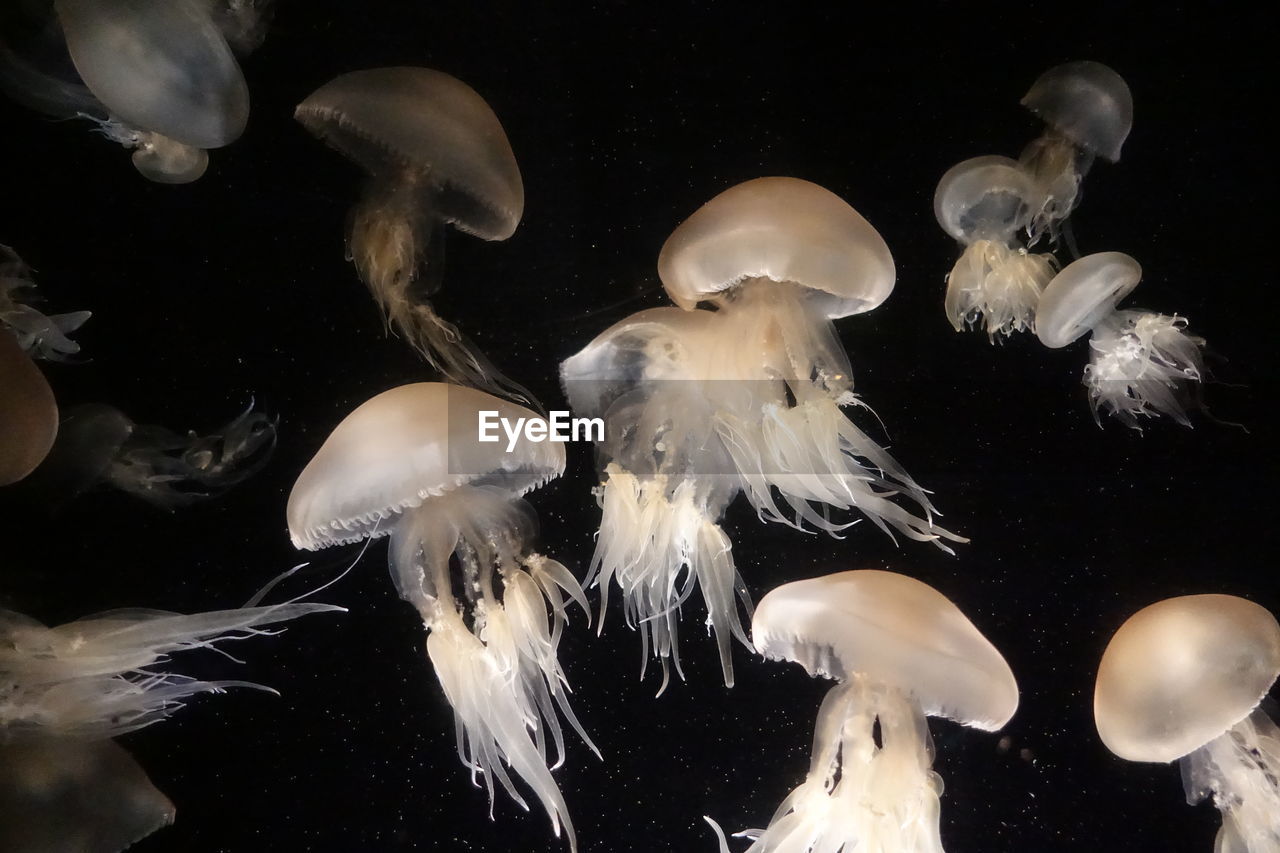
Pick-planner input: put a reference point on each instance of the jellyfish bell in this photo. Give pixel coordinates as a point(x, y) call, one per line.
point(1088, 110)
point(983, 202)
point(409, 464)
point(436, 155)
point(900, 651)
point(1078, 298)
point(1182, 680)
point(28, 412)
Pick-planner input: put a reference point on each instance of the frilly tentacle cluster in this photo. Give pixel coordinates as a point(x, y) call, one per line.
point(997, 287)
point(1143, 365)
point(1241, 772)
point(40, 335)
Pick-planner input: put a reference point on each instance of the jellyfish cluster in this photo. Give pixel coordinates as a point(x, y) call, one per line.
point(741, 387)
point(1142, 364)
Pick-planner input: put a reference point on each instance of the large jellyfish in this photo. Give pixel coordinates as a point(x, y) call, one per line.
point(99, 444)
point(1141, 364)
point(409, 464)
point(780, 258)
point(667, 478)
point(983, 203)
point(1182, 680)
point(66, 691)
point(436, 155)
point(1088, 111)
point(900, 651)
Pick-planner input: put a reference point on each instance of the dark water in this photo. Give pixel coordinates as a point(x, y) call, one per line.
point(625, 118)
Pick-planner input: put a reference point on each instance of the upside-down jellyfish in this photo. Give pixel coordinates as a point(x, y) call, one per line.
point(1182, 680)
point(1088, 111)
point(436, 155)
point(1141, 364)
point(780, 258)
point(899, 651)
point(983, 203)
point(667, 479)
point(100, 444)
point(408, 464)
point(66, 691)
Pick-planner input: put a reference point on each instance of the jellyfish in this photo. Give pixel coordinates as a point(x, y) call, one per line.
point(436, 155)
point(41, 336)
point(409, 464)
point(1182, 680)
point(1141, 364)
point(983, 203)
point(66, 691)
point(99, 444)
point(899, 652)
point(667, 479)
point(780, 258)
point(1088, 111)
point(28, 412)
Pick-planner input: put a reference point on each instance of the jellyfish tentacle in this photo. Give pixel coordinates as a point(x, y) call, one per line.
point(1143, 364)
point(1240, 771)
point(998, 286)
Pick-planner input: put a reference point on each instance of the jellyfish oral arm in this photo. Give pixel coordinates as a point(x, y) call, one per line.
point(1240, 770)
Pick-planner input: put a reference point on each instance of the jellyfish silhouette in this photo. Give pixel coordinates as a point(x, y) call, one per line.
point(1182, 680)
point(66, 691)
point(408, 464)
point(899, 651)
point(1141, 364)
point(666, 478)
point(1088, 112)
point(436, 155)
point(983, 203)
point(99, 444)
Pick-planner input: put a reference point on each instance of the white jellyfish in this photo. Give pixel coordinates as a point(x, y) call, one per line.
point(666, 482)
point(899, 651)
point(1141, 364)
point(436, 155)
point(409, 464)
point(1182, 680)
point(983, 203)
point(780, 258)
point(99, 444)
point(1088, 111)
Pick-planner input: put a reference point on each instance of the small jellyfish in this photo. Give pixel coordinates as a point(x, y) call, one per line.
point(1141, 364)
point(1182, 680)
point(408, 464)
point(99, 444)
point(667, 479)
point(436, 155)
point(983, 203)
point(1088, 111)
point(28, 412)
point(899, 651)
point(780, 258)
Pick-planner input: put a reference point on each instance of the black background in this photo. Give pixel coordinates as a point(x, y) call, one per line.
point(625, 118)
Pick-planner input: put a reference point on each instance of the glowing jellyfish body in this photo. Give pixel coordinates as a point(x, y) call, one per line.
point(983, 203)
point(1088, 112)
point(780, 258)
point(667, 478)
point(1141, 364)
point(40, 335)
point(1182, 681)
point(407, 464)
point(436, 155)
point(900, 651)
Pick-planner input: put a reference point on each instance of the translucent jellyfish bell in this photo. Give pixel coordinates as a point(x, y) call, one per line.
point(408, 464)
point(1082, 294)
point(166, 76)
point(1182, 680)
point(900, 651)
point(436, 155)
point(1088, 110)
point(983, 203)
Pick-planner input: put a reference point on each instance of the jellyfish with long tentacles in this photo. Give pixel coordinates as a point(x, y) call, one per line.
point(780, 258)
point(1088, 112)
point(899, 651)
point(666, 481)
point(983, 203)
point(436, 155)
point(408, 464)
point(99, 445)
point(1182, 680)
